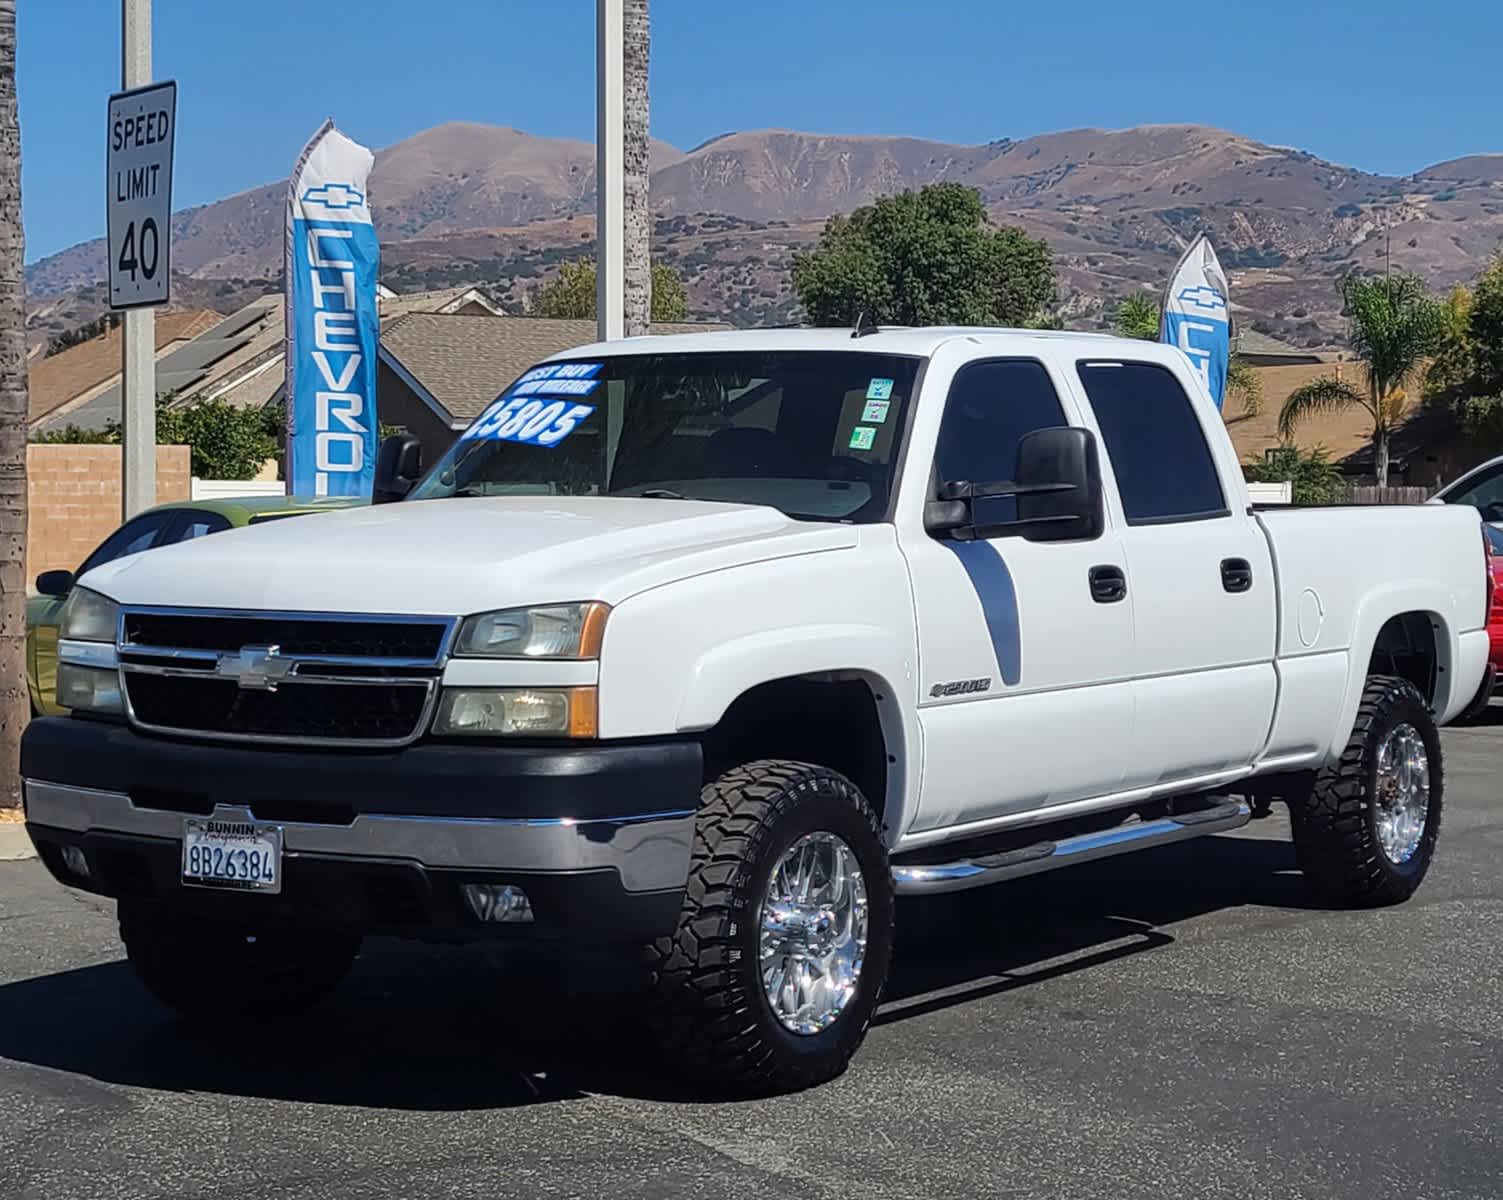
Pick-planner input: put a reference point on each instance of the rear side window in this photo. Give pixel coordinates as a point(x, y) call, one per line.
point(990, 407)
point(193, 524)
point(1484, 493)
point(1157, 448)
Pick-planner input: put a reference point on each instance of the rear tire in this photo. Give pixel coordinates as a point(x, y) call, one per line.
point(714, 1014)
point(214, 969)
point(1366, 833)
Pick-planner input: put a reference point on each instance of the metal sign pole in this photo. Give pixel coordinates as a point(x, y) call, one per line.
point(138, 341)
point(610, 173)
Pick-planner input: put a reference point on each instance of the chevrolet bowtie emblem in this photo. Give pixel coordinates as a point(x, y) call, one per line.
point(255, 668)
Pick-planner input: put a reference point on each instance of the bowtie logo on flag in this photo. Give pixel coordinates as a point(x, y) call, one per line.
point(333, 326)
point(1197, 317)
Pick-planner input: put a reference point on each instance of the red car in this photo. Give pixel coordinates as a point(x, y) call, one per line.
point(1494, 538)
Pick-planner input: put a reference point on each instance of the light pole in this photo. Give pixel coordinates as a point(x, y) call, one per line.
point(610, 174)
point(138, 372)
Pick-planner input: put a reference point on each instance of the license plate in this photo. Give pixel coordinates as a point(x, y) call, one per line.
point(232, 854)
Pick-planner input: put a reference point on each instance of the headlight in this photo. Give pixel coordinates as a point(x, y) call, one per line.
point(89, 617)
point(520, 712)
point(549, 631)
point(88, 689)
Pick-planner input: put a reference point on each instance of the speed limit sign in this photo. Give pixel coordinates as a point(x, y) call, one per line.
point(142, 124)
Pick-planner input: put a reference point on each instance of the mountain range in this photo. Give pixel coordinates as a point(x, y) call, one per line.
point(499, 208)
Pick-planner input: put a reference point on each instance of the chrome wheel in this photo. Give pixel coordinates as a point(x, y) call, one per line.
point(1403, 793)
point(813, 932)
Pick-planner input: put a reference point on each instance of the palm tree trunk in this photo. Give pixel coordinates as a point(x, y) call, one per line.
point(14, 698)
point(1379, 395)
point(638, 218)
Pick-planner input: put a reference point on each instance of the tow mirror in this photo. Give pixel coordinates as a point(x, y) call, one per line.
point(399, 466)
point(55, 583)
point(1057, 485)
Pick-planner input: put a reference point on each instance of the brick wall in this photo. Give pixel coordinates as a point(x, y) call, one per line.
point(73, 494)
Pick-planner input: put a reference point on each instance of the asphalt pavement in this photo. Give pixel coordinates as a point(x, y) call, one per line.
point(1178, 1023)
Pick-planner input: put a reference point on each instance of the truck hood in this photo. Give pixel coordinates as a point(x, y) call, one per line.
point(454, 557)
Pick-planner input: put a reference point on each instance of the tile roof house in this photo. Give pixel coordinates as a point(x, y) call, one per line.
point(438, 371)
point(1260, 350)
point(466, 301)
point(238, 358)
point(72, 378)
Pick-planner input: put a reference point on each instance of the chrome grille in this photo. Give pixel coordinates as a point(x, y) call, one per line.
point(310, 678)
point(422, 640)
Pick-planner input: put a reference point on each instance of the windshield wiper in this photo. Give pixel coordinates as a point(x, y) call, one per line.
point(663, 494)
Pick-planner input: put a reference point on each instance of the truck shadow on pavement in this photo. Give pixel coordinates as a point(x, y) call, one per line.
point(417, 1028)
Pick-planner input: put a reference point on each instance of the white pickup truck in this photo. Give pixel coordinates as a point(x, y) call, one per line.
point(716, 645)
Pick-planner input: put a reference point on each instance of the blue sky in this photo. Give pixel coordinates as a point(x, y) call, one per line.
point(1381, 85)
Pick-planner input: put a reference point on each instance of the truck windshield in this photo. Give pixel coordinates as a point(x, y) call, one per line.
point(814, 434)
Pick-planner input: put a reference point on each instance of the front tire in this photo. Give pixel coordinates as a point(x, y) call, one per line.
point(1366, 833)
point(214, 969)
point(782, 949)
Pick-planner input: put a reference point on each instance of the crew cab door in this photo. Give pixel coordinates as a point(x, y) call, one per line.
point(1199, 572)
point(1025, 652)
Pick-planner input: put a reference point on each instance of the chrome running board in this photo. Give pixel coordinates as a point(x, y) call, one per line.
point(922, 879)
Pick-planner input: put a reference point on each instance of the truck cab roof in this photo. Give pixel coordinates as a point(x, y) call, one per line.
point(917, 342)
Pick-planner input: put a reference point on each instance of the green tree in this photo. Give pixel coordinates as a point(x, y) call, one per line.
point(1466, 374)
point(1394, 325)
point(84, 333)
point(571, 293)
point(925, 258)
point(224, 442)
point(1137, 316)
point(1316, 479)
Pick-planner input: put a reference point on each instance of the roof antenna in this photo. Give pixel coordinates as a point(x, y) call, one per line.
point(862, 328)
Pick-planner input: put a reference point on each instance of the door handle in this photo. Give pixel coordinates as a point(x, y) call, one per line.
point(1108, 584)
point(1236, 574)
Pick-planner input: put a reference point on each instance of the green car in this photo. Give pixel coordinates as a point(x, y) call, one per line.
point(160, 526)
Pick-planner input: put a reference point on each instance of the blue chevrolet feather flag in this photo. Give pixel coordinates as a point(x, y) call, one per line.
point(333, 325)
point(1197, 315)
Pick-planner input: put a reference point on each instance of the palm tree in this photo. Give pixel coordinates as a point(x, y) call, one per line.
point(1394, 325)
point(1137, 316)
point(638, 218)
point(14, 698)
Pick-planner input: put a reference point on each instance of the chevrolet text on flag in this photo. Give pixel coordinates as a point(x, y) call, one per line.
point(333, 325)
point(1196, 315)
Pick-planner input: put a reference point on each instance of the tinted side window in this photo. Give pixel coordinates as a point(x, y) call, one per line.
point(1484, 493)
point(1158, 450)
point(990, 407)
point(130, 538)
point(193, 524)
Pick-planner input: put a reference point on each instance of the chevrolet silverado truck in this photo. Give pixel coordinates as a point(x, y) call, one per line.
point(715, 645)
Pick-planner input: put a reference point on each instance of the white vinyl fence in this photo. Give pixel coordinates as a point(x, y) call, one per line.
point(230, 489)
point(1272, 493)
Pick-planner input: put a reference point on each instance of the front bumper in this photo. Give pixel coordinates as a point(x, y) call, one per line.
point(597, 836)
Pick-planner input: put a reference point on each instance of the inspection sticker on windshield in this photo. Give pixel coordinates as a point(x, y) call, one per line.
point(879, 389)
point(863, 437)
point(876, 411)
